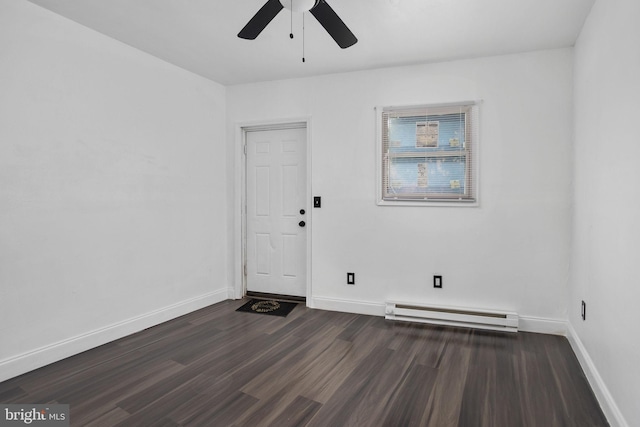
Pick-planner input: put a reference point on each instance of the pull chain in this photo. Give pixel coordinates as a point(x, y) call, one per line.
point(291, 10)
point(303, 60)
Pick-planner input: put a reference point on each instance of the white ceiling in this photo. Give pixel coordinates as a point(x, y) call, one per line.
point(200, 35)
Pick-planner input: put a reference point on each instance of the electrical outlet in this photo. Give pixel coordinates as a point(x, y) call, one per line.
point(437, 282)
point(351, 278)
point(583, 310)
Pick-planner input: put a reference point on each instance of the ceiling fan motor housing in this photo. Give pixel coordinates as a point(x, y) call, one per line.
point(299, 5)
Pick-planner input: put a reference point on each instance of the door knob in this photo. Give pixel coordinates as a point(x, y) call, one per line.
point(302, 211)
point(302, 223)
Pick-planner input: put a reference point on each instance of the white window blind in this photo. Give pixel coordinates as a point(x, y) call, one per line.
point(428, 153)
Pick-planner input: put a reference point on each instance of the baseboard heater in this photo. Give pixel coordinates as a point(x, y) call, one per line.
point(452, 316)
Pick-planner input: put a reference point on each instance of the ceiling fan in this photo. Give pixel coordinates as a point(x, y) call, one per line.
point(323, 13)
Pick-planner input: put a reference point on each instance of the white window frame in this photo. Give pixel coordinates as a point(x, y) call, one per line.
point(471, 137)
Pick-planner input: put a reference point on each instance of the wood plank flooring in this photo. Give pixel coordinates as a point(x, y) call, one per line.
point(218, 367)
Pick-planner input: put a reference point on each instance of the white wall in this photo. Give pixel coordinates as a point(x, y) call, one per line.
point(110, 185)
point(512, 252)
point(606, 230)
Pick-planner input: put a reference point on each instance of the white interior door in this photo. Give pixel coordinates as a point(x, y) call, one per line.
point(276, 211)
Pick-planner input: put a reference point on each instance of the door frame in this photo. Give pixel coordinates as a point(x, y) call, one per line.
point(240, 199)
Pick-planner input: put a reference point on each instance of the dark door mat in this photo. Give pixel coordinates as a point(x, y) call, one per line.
point(271, 307)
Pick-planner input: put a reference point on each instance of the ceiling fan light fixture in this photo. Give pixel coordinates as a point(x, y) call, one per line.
point(298, 5)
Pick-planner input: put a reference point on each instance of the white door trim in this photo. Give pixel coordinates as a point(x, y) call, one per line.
point(240, 198)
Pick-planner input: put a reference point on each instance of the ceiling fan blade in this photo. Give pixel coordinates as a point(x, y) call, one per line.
point(260, 20)
point(333, 24)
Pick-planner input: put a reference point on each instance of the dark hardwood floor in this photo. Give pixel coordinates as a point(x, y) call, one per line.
point(217, 367)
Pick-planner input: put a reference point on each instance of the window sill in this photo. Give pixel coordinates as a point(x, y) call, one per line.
point(431, 203)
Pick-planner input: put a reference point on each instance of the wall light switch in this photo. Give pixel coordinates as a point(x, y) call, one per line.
point(317, 201)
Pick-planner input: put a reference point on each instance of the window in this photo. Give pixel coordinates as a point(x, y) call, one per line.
point(427, 154)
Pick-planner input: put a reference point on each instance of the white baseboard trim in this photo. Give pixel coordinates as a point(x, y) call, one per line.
point(541, 325)
point(347, 306)
point(608, 405)
point(39, 357)
point(231, 293)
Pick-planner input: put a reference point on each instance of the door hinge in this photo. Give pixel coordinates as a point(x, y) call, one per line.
point(245, 270)
point(244, 148)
